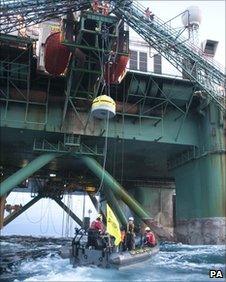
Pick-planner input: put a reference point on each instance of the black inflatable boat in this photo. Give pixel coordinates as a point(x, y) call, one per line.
point(102, 254)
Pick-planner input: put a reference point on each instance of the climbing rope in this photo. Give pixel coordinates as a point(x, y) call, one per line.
point(41, 216)
point(47, 224)
point(102, 56)
point(51, 218)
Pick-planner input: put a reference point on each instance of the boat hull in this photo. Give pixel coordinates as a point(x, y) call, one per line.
point(129, 258)
point(107, 258)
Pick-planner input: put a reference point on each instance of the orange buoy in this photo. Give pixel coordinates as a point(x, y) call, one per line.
point(56, 55)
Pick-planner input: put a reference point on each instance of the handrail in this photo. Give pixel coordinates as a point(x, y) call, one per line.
point(166, 27)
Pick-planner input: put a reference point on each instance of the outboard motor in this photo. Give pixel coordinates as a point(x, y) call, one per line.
point(89, 248)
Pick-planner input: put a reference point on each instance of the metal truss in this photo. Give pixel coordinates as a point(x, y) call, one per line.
point(15, 78)
point(195, 153)
point(15, 14)
point(69, 146)
point(186, 57)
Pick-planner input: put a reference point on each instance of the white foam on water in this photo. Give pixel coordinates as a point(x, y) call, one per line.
point(8, 244)
point(175, 263)
point(56, 269)
point(78, 274)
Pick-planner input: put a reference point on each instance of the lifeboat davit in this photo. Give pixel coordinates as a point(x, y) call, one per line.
point(56, 55)
point(115, 71)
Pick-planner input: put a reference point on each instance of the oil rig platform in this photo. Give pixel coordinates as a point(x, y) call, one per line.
point(145, 142)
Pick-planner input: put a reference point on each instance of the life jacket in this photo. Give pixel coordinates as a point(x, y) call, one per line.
point(150, 238)
point(97, 225)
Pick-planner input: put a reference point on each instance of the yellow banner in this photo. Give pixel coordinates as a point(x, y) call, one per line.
point(113, 226)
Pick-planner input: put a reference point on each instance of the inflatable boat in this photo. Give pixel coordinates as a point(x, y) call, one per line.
point(104, 254)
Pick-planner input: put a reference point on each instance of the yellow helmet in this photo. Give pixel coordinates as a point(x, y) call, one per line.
point(147, 229)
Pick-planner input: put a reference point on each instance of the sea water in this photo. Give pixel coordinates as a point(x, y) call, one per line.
point(37, 259)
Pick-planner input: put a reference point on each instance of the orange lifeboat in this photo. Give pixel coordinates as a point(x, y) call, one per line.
point(115, 72)
point(56, 55)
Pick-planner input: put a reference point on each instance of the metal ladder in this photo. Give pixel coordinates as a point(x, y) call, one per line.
point(207, 74)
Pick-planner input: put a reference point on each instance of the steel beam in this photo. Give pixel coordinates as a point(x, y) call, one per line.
point(68, 211)
point(15, 214)
point(93, 200)
point(119, 191)
point(112, 201)
point(22, 174)
point(97, 208)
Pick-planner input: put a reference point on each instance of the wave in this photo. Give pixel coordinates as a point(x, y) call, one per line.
point(37, 259)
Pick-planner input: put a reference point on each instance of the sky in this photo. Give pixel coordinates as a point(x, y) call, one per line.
point(46, 218)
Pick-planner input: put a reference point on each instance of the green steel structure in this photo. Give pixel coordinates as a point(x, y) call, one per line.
point(165, 129)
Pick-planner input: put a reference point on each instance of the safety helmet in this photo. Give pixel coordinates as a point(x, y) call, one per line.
point(99, 216)
point(147, 229)
point(131, 218)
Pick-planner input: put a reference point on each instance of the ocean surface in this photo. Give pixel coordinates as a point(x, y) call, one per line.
point(37, 259)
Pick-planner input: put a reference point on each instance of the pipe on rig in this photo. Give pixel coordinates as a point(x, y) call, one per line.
point(22, 174)
point(114, 205)
point(119, 191)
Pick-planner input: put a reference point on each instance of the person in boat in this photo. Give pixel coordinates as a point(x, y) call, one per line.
point(97, 224)
point(122, 245)
point(150, 240)
point(95, 233)
point(130, 234)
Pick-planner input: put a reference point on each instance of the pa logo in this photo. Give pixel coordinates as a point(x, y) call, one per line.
point(216, 273)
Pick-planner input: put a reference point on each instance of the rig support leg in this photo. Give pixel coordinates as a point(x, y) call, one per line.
point(2, 209)
point(15, 214)
point(68, 211)
point(119, 191)
point(201, 185)
point(22, 174)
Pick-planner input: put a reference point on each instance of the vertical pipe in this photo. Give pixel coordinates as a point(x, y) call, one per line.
point(19, 176)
